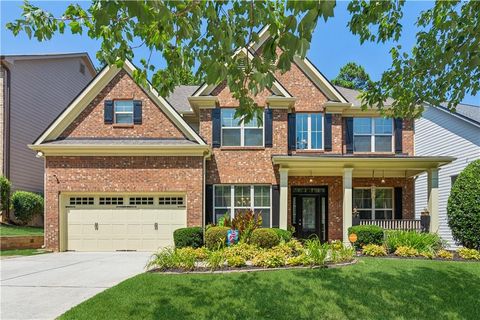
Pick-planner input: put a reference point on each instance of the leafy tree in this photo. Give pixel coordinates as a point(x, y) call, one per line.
point(352, 76)
point(463, 209)
point(443, 66)
point(186, 77)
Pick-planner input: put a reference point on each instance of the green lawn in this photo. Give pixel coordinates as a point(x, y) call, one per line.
point(15, 231)
point(372, 289)
point(21, 252)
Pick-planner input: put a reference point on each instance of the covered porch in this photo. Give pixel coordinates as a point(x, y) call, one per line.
point(358, 189)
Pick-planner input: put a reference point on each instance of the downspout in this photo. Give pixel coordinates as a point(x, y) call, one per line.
point(6, 131)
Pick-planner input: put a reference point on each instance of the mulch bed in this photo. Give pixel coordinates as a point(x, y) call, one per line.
point(250, 268)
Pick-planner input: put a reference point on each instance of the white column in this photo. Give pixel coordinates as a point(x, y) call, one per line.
point(283, 219)
point(347, 203)
point(433, 199)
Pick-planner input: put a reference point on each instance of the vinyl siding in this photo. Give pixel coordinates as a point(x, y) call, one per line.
point(441, 134)
point(40, 90)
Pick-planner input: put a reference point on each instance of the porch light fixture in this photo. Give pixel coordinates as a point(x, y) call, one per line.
point(383, 177)
point(311, 176)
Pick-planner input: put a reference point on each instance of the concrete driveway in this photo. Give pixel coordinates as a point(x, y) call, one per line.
point(45, 286)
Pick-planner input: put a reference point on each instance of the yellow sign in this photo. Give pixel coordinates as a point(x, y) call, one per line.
point(352, 238)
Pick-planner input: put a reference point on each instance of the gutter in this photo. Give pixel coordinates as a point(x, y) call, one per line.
point(6, 129)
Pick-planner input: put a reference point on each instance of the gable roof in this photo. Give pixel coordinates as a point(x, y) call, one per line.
point(94, 88)
point(179, 97)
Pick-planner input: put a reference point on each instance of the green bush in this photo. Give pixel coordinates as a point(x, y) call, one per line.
point(243, 250)
point(216, 260)
point(367, 235)
point(469, 254)
point(188, 237)
point(264, 238)
point(444, 254)
point(26, 205)
point(169, 258)
point(316, 252)
point(283, 235)
point(340, 253)
point(299, 260)
point(404, 251)
point(5, 186)
point(236, 261)
point(374, 250)
point(216, 237)
point(269, 258)
point(463, 209)
point(422, 242)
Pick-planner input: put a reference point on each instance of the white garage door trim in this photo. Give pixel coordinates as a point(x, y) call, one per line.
point(120, 221)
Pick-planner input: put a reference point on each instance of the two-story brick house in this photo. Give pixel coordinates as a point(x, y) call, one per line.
point(125, 167)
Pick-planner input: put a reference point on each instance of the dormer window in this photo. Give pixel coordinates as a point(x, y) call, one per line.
point(123, 111)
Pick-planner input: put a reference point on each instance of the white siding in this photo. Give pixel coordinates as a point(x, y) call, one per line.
point(40, 90)
point(438, 133)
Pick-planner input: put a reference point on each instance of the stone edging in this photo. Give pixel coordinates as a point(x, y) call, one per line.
point(242, 270)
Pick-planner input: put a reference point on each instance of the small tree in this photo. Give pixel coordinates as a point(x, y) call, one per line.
point(353, 76)
point(463, 208)
point(5, 187)
point(26, 205)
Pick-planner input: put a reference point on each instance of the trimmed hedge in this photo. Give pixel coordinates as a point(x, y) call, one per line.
point(284, 235)
point(367, 235)
point(463, 209)
point(265, 238)
point(26, 205)
point(216, 237)
point(5, 187)
point(188, 237)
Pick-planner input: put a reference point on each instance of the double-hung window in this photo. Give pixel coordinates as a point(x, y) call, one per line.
point(231, 199)
point(372, 135)
point(236, 132)
point(373, 203)
point(123, 111)
point(309, 127)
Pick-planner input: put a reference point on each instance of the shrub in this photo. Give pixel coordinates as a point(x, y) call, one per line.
point(215, 260)
point(246, 221)
point(283, 235)
point(374, 250)
point(264, 238)
point(444, 254)
point(427, 254)
point(297, 260)
point(316, 252)
point(463, 209)
point(367, 235)
point(26, 205)
point(5, 186)
point(224, 221)
point(201, 253)
point(165, 259)
point(340, 253)
point(236, 261)
point(188, 237)
point(404, 251)
point(186, 258)
point(243, 250)
point(269, 259)
point(469, 254)
point(284, 248)
point(422, 242)
point(296, 246)
point(216, 237)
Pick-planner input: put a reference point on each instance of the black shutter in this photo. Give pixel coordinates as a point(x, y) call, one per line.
point(216, 127)
point(398, 128)
point(398, 198)
point(291, 132)
point(208, 204)
point(349, 134)
point(328, 132)
point(108, 112)
point(275, 206)
point(137, 112)
point(268, 127)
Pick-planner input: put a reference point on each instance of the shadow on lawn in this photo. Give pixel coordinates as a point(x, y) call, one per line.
point(406, 291)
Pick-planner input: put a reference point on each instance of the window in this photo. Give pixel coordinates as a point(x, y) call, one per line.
point(168, 201)
point(230, 200)
point(123, 111)
point(81, 201)
point(309, 128)
point(373, 203)
point(111, 201)
point(372, 135)
point(453, 179)
point(141, 201)
point(236, 132)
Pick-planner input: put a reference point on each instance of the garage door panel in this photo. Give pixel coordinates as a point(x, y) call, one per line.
point(130, 228)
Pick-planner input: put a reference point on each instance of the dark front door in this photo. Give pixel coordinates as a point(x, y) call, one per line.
point(309, 208)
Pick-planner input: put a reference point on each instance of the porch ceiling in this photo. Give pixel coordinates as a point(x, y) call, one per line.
point(363, 167)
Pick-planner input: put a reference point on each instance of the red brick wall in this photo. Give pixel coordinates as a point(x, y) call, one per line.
point(90, 123)
point(22, 242)
point(121, 174)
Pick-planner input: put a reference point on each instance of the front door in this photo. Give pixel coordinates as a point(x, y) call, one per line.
point(309, 207)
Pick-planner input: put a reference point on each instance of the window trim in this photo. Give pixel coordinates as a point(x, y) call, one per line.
point(373, 208)
point(232, 207)
point(122, 112)
point(372, 135)
point(242, 128)
point(309, 131)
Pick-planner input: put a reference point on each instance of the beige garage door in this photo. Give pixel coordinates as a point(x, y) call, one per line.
point(110, 223)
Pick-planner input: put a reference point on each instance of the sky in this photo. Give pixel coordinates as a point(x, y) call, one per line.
point(333, 44)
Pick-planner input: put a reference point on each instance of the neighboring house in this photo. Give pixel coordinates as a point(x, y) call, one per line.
point(125, 167)
point(441, 132)
point(35, 89)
